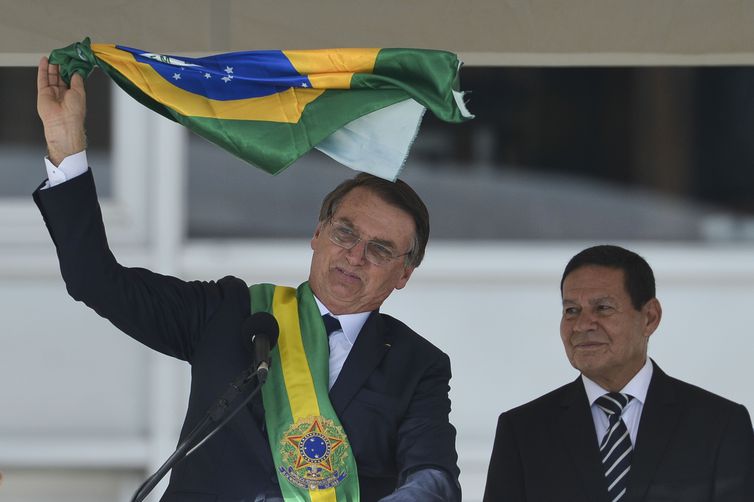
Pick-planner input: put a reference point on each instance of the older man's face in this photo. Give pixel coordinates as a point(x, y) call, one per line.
point(604, 336)
point(343, 279)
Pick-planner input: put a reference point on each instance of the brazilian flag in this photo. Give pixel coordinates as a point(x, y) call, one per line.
point(362, 107)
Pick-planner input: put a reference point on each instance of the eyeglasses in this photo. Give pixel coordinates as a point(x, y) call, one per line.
point(344, 236)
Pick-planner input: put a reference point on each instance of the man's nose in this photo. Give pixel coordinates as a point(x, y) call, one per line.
point(357, 254)
point(585, 321)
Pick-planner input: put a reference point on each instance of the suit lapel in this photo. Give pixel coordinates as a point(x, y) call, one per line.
point(659, 418)
point(366, 354)
point(576, 426)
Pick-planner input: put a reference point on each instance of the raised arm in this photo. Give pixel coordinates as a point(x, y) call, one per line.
point(62, 110)
point(165, 313)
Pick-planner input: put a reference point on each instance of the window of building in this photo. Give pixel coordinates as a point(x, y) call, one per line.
point(22, 143)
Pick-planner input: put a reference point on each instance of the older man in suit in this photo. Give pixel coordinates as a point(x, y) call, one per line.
point(624, 430)
point(356, 405)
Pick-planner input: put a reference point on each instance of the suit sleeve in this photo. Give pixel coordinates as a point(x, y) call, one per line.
point(505, 476)
point(734, 473)
point(426, 439)
point(163, 312)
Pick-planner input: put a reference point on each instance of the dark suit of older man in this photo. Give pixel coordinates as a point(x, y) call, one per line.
point(624, 430)
point(692, 446)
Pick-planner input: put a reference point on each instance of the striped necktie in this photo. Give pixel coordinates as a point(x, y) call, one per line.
point(615, 448)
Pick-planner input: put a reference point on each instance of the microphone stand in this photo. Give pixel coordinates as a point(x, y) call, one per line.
point(216, 412)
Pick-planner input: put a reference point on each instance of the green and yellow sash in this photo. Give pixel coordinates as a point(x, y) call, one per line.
point(312, 454)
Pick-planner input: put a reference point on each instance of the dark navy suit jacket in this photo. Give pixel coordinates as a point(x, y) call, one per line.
point(692, 446)
point(391, 395)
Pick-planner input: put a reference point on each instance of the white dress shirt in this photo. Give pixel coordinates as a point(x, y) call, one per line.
point(71, 166)
point(631, 415)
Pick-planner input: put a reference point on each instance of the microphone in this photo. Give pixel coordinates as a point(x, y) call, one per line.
point(259, 334)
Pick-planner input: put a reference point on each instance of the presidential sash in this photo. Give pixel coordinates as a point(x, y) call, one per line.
point(313, 459)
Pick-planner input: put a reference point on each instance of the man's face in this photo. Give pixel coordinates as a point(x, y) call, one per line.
point(604, 336)
point(342, 278)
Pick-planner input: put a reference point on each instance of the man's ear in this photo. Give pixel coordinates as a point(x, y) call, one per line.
point(317, 232)
point(407, 271)
point(652, 311)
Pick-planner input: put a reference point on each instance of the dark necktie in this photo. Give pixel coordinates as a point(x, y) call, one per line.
point(331, 324)
point(615, 448)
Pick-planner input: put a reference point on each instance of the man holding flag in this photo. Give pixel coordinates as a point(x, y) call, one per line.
point(356, 405)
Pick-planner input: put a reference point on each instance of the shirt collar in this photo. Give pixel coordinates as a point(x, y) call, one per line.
point(636, 387)
point(351, 323)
